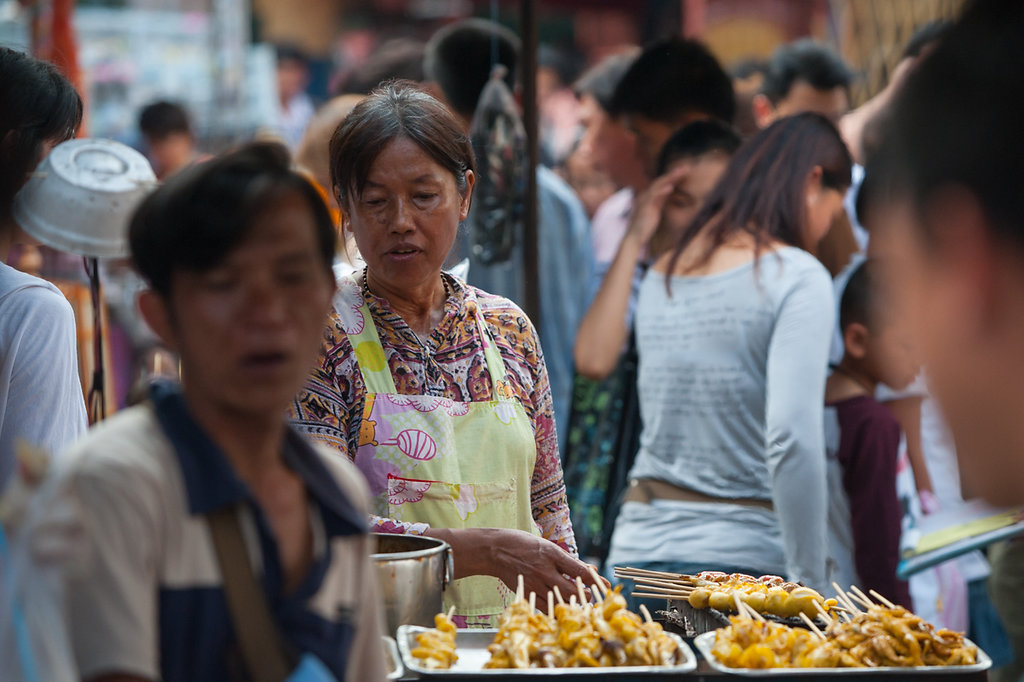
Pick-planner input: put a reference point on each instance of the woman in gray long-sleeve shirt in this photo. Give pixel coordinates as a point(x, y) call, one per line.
point(733, 332)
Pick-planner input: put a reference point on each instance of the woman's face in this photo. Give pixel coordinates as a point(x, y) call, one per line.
point(823, 205)
point(406, 220)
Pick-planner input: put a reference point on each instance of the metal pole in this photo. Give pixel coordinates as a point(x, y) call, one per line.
point(531, 286)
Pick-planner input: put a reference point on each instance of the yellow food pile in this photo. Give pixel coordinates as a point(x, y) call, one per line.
point(605, 634)
point(768, 594)
point(881, 636)
point(436, 647)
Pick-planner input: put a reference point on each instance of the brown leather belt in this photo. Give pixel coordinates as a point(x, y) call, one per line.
point(646, 489)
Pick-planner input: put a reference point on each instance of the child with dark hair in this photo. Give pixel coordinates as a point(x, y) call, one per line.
point(863, 441)
point(167, 134)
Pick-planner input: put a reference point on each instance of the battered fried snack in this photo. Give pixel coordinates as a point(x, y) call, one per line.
point(605, 634)
point(767, 594)
point(879, 637)
point(436, 647)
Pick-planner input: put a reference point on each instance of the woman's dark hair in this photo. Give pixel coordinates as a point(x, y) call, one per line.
point(397, 109)
point(38, 105)
point(200, 215)
point(761, 191)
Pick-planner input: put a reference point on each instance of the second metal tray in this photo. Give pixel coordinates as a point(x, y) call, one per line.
point(707, 640)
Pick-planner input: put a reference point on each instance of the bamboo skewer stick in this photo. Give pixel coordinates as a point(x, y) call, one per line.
point(551, 605)
point(533, 602)
point(882, 599)
point(558, 595)
point(572, 600)
point(812, 626)
point(678, 584)
point(860, 593)
point(520, 589)
point(646, 613)
point(824, 614)
point(844, 599)
point(627, 570)
point(581, 590)
point(659, 588)
point(866, 603)
point(451, 611)
point(599, 588)
point(655, 595)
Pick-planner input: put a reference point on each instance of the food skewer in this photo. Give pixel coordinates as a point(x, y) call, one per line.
point(678, 584)
point(844, 599)
point(520, 588)
point(551, 604)
point(662, 595)
point(451, 611)
point(558, 595)
point(866, 603)
point(860, 593)
point(646, 613)
point(824, 614)
point(533, 602)
point(626, 571)
point(581, 590)
point(812, 626)
point(599, 588)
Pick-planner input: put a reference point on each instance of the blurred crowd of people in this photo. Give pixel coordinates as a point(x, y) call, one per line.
point(774, 333)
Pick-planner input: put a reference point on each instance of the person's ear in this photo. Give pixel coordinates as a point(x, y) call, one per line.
point(763, 109)
point(155, 312)
point(813, 186)
point(466, 197)
point(855, 340)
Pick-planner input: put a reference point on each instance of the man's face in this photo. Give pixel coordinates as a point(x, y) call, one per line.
point(951, 289)
point(651, 136)
point(247, 330)
point(610, 145)
point(805, 98)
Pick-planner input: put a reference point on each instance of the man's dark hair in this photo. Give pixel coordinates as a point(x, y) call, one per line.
point(459, 58)
point(397, 109)
point(923, 37)
point(672, 78)
point(289, 52)
point(37, 104)
point(162, 119)
point(600, 80)
point(697, 138)
point(751, 66)
point(860, 301)
point(200, 215)
point(804, 60)
point(398, 58)
point(957, 119)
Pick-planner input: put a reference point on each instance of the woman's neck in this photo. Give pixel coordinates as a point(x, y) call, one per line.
point(422, 308)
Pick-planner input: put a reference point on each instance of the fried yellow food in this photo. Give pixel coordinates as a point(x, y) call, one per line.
point(879, 637)
point(605, 634)
point(436, 647)
point(767, 594)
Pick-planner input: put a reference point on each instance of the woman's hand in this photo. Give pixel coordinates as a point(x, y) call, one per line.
point(506, 554)
point(650, 203)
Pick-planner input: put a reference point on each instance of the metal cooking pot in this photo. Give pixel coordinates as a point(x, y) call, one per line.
point(412, 572)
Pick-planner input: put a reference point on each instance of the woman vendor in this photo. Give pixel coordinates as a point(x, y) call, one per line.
point(437, 390)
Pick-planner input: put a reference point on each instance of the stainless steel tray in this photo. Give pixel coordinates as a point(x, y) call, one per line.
point(394, 660)
point(705, 641)
point(471, 646)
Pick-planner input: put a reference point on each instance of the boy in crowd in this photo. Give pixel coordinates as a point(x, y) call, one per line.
point(863, 441)
point(170, 144)
point(237, 253)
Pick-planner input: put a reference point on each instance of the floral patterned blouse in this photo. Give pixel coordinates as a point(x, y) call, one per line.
point(450, 363)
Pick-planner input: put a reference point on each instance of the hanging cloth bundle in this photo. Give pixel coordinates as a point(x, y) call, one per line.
point(499, 143)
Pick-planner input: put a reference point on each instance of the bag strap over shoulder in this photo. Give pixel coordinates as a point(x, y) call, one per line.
point(257, 635)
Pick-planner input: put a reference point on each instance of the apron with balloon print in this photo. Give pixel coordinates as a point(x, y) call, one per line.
point(451, 464)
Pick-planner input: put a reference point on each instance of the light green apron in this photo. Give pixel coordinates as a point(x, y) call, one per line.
point(433, 460)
